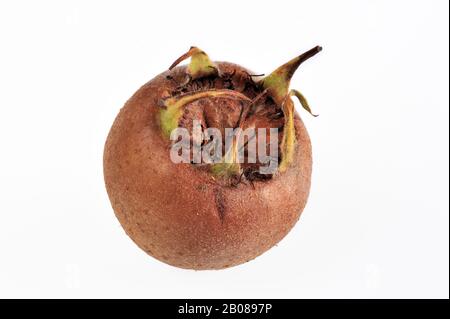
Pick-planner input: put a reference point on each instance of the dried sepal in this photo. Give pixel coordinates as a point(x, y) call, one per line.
point(200, 65)
point(229, 166)
point(303, 101)
point(277, 85)
point(288, 143)
point(277, 82)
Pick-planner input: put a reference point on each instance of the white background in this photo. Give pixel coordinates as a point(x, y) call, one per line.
point(377, 222)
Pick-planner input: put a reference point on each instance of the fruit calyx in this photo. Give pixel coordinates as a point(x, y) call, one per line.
point(274, 88)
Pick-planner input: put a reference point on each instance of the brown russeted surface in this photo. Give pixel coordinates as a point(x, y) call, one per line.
point(179, 213)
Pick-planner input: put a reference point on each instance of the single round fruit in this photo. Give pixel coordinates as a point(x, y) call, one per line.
point(203, 215)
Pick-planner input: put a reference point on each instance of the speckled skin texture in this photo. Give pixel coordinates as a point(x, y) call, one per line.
point(180, 214)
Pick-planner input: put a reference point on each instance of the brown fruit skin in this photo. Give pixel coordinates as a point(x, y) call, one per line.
point(180, 214)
